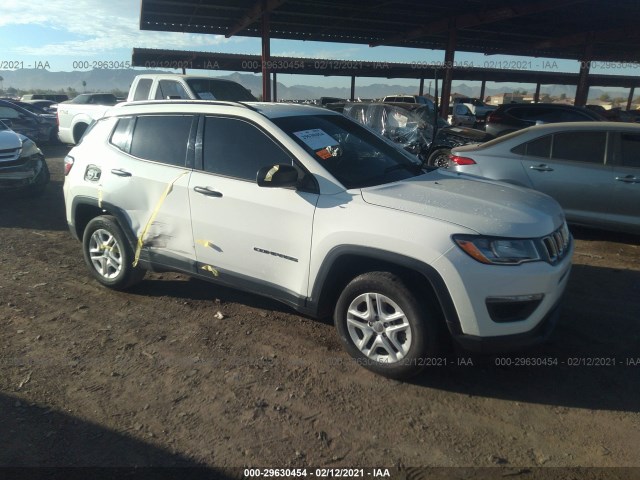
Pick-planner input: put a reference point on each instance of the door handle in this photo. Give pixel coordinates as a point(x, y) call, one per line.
point(628, 179)
point(541, 168)
point(121, 173)
point(208, 192)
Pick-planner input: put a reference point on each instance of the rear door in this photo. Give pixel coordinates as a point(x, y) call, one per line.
point(147, 180)
point(626, 179)
point(572, 168)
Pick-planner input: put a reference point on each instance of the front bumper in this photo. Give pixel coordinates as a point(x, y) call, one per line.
point(518, 341)
point(471, 283)
point(23, 173)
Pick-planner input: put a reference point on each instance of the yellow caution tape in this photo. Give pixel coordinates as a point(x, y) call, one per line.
point(161, 200)
point(269, 176)
point(209, 268)
point(99, 196)
point(204, 243)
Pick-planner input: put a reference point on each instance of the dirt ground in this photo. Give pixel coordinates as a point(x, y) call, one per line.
point(151, 377)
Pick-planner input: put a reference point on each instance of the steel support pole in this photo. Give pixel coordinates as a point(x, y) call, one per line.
point(448, 70)
point(266, 54)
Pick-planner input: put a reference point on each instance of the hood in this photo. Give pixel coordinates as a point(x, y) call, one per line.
point(463, 135)
point(489, 208)
point(10, 140)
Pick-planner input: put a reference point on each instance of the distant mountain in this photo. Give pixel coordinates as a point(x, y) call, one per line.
point(121, 79)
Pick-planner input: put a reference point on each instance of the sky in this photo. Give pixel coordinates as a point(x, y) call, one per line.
point(63, 35)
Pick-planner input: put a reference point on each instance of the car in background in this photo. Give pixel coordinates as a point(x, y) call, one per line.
point(46, 106)
point(591, 168)
point(39, 128)
point(75, 116)
point(477, 107)
point(54, 97)
point(404, 98)
point(461, 116)
point(510, 117)
point(411, 126)
point(22, 164)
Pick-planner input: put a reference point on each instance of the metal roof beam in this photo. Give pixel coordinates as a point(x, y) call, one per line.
point(479, 18)
point(253, 15)
point(611, 35)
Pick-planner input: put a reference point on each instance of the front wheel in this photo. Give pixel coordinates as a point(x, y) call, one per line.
point(109, 255)
point(384, 327)
point(439, 158)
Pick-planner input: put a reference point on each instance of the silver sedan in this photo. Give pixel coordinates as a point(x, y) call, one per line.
point(591, 168)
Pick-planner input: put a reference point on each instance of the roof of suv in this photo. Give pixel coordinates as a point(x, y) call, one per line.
point(270, 110)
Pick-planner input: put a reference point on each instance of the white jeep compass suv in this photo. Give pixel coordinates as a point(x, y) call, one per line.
point(306, 206)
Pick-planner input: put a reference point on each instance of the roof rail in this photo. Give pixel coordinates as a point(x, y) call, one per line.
point(187, 102)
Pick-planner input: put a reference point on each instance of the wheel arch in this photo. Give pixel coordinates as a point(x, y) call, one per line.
point(85, 209)
point(344, 263)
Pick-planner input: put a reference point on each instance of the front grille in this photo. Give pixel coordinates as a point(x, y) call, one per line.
point(9, 154)
point(556, 246)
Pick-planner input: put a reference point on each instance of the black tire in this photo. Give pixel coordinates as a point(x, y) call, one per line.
point(39, 187)
point(423, 340)
point(439, 158)
point(117, 267)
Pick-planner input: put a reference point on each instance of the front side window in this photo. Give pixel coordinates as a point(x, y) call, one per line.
point(236, 148)
point(354, 155)
point(162, 138)
point(580, 146)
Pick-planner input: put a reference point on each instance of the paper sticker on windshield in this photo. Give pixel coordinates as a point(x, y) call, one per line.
point(316, 138)
point(206, 96)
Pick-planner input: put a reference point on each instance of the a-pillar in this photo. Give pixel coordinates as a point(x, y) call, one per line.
point(353, 87)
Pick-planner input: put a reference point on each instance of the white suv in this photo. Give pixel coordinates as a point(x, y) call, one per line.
point(306, 206)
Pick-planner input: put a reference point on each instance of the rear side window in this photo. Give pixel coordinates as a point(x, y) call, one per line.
point(540, 147)
point(120, 136)
point(235, 148)
point(580, 146)
point(142, 89)
point(168, 89)
point(162, 138)
point(630, 150)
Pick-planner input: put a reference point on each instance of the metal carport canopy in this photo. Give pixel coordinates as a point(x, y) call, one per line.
point(568, 29)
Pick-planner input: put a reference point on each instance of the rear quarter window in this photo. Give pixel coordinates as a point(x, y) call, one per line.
point(162, 138)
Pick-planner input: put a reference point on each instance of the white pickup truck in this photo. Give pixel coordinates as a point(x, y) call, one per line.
point(75, 116)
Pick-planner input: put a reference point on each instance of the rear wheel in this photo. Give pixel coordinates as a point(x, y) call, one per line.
point(109, 255)
point(384, 327)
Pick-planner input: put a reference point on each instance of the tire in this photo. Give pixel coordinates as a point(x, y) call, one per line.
point(109, 255)
point(396, 348)
point(439, 158)
point(40, 186)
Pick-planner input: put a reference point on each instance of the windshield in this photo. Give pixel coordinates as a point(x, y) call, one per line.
point(354, 155)
point(210, 89)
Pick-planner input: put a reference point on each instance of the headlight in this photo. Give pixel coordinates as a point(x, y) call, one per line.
point(498, 251)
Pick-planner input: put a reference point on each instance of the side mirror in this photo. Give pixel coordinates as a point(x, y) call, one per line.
point(277, 176)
